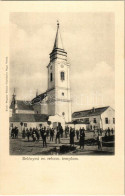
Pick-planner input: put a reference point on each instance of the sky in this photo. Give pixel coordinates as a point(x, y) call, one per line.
point(88, 38)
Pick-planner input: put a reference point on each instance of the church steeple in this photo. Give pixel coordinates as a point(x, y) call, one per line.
point(58, 51)
point(58, 40)
point(59, 101)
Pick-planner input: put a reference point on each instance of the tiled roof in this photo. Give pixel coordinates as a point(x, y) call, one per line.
point(91, 112)
point(29, 118)
point(39, 98)
point(22, 105)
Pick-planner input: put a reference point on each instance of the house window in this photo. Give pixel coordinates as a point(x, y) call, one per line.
point(106, 121)
point(94, 120)
point(25, 124)
point(62, 75)
point(62, 94)
point(113, 120)
point(51, 77)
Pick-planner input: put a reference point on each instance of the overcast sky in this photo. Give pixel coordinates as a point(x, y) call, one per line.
point(88, 39)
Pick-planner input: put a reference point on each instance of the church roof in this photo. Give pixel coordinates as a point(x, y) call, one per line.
point(39, 98)
point(29, 118)
point(22, 105)
point(58, 40)
point(91, 112)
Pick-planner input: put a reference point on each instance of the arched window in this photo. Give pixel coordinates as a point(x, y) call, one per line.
point(51, 77)
point(62, 75)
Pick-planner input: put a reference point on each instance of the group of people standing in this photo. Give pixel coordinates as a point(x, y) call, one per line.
point(14, 132)
point(44, 133)
point(70, 133)
point(80, 135)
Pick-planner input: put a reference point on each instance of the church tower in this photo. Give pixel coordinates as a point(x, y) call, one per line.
point(59, 101)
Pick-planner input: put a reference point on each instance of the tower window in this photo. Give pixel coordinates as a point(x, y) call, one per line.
point(51, 77)
point(62, 94)
point(94, 120)
point(113, 120)
point(62, 75)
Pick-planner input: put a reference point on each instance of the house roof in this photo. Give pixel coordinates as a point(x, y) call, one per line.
point(22, 105)
point(88, 113)
point(39, 98)
point(29, 118)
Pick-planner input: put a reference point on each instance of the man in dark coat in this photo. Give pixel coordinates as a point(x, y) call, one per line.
point(28, 134)
point(112, 131)
point(82, 138)
point(77, 134)
point(37, 134)
point(51, 134)
point(34, 135)
point(72, 135)
point(12, 133)
point(44, 138)
point(58, 135)
point(23, 133)
point(41, 132)
point(108, 131)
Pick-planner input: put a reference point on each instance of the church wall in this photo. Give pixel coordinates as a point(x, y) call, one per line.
point(40, 108)
point(51, 108)
point(25, 111)
point(64, 107)
point(51, 103)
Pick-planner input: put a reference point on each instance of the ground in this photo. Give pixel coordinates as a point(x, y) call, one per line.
point(21, 146)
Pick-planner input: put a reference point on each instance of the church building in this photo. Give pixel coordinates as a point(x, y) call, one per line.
point(55, 103)
point(53, 106)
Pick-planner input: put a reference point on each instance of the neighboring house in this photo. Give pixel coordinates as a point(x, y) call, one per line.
point(102, 117)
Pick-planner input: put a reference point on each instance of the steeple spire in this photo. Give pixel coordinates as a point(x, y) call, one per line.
point(14, 96)
point(58, 51)
point(58, 41)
